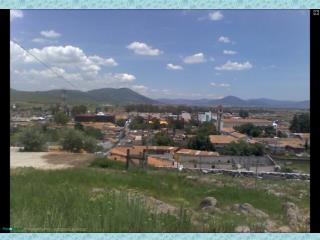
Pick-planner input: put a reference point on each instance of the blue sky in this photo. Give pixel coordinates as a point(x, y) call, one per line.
point(165, 53)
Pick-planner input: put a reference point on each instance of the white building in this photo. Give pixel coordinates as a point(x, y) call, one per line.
point(186, 116)
point(205, 116)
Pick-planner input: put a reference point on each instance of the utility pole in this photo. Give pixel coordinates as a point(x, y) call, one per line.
point(127, 158)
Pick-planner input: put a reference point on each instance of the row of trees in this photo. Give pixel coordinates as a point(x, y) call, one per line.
point(74, 140)
point(242, 148)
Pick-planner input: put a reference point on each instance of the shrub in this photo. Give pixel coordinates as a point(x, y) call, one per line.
point(107, 163)
point(32, 140)
point(61, 118)
point(72, 140)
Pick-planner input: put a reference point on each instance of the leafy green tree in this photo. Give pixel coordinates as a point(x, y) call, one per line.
point(162, 139)
point(243, 148)
point(201, 142)
point(32, 140)
point(78, 126)
point(78, 109)
point(90, 144)
point(61, 118)
point(72, 140)
point(121, 122)
point(243, 113)
point(94, 132)
point(207, 129)
point(300, 123)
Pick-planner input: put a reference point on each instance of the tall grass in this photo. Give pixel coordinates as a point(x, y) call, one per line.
point(82, 200)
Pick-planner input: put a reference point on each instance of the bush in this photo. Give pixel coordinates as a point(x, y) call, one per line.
point(107, 163)
point(201, 142)
point(162, 139)
point(72, 140)
point(243, 148)
point(90, 145)
point(93, 132)
point(61, 118)
point(32, 140)
point(300, 123)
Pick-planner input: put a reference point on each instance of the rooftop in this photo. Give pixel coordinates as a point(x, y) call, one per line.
point(222, 139)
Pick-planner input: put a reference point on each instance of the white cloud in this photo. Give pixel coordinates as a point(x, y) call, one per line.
point(229, 52)
point(224, 39)
point(69, 61)
point(62, 56)
point(174, 67)
point(50, 34)
point(215, 15)
point(15, 14)
point(234, 66)
point(140, 89)
point(194, 59)
point(43, 41)
point(220, 84)
point(124, 77)
point(103, 61)
point(143, 49)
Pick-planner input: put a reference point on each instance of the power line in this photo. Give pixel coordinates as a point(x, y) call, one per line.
point(46, 65)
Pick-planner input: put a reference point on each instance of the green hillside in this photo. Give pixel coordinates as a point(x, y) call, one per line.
point(112, 96)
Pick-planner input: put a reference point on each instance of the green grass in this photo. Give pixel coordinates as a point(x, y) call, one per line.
point(303, 167)
point(103, 162)
point(63, 199)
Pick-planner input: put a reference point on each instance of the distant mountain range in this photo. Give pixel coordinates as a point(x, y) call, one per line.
point(231, 101)
point(118, 96)
point(124, 96)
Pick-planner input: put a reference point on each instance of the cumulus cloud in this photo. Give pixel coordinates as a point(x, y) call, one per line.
point(15, 14)
point(171, 66)
point(70, 62)
point(215, 16)
point(103, 61)
point(141, 48)
point(50, 34)
point(234, 66)
point(194, 59)
point(220, 84)
point(62, 56)
point(229, 52)
point(224, 39)
point(124, 77)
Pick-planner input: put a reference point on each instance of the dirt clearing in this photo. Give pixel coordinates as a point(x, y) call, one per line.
point(45, 160)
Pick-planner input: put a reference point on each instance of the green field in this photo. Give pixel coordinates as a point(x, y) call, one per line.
point(115, 200)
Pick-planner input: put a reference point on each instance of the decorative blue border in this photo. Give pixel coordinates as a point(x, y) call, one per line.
point(158, 236)
point(160, 4)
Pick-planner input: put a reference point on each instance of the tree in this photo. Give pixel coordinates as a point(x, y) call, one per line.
point(94, 132)
point(61, 118)
point(201, 142)
point(78, 109)
point(32, 140)
point(78, 126)
point(72, 140)
point(90, 144)
point(207, 129)
point(121, 122)
point(243, 113)
point(243, 148)
point(162, 139)
point(300, 123)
